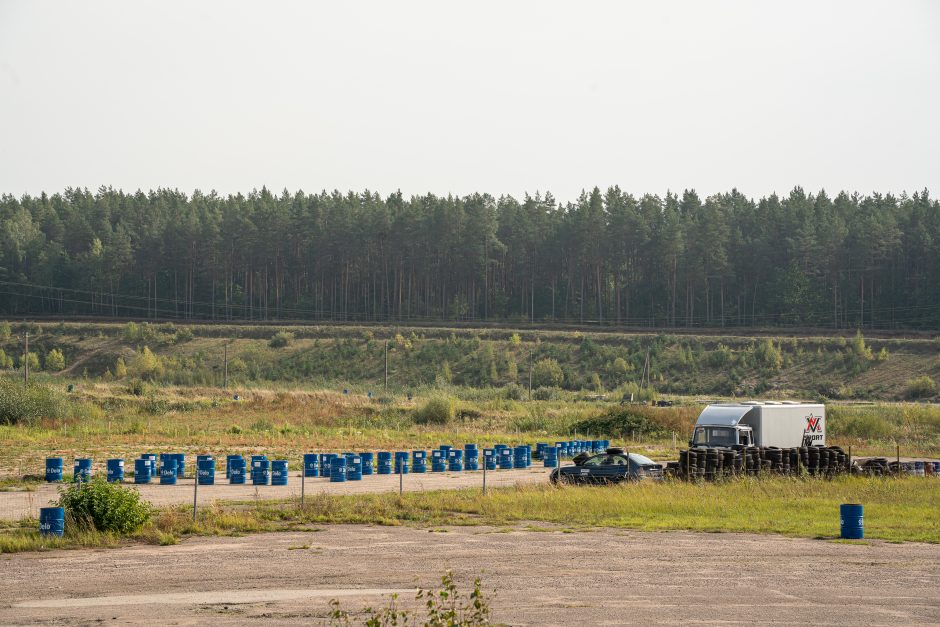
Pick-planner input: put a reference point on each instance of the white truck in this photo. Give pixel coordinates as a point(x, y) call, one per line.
point(784, 424)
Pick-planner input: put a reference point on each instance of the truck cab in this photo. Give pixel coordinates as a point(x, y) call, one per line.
point(783, 424)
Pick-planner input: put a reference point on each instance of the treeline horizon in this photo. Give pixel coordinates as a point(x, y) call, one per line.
point(607, 258)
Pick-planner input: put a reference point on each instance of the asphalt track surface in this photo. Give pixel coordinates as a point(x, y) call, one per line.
point(544, 577)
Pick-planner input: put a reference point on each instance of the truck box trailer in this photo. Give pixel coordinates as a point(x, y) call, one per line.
point(783, 424)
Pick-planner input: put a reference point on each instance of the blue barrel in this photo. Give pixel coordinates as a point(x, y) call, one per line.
point(384, 466)
point(228, 464)
point(353, 467)
point(279, 472)
point(180, 465)
point(489, 459)
point(205, 470)
point(936, 469)
point(52, 521)
point(562, 449)
point(236, 470)
point(419, 461)
point(438, 461)
point(326, 460)
point(168, 467)
point(82, 468)
point(497, 448)
point(311, 465)
point(471, 458)
point(919, 469)
point(519, 457)
point(260, 472)
point(539, 447)
point(401, 463)
point(851, 521)
point(141, 471)
point(53, 469)
point(115, 470)
point(550, 457)
point(505, 459)
point(153, 464)
point(455, 460)
point(338, 470)
point(368, 459)
point(445, 451)
point(252, 467)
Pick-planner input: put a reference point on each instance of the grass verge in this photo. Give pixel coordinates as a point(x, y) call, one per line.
point(896, 510)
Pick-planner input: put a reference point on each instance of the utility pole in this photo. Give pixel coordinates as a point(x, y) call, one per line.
point(386, 365)
point(225, 365)
point(26, 362)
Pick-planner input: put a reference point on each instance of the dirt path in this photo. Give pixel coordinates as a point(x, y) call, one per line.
point(16, 505)
point(540, 578)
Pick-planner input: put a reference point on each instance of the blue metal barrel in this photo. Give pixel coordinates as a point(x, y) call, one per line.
point(141, 471)
point(550, 457)
point(228, 464)
point(445, 451)
point(562, 449)
point(260, 472)
point(539, 447)
point(168, 467)
point(489, 459)
point(455, 460)
point(368, 461)
point(82, 468)
point(154, 464)
point(353, 467)
point(471, 457)
point(505, 459)
point(279, 472)
point(236, 470)
point(519, 457)
point(338, 470)
point(419, 461)
point(115, 470)
point(311, 465)
point(53, 469)
point(52, 521)
point(205, 470)
point(852, 521)
point(919, 469)
point(180, 465)
point(384, 466)
point(251, 468)
point(438, 461)
point(401, 463)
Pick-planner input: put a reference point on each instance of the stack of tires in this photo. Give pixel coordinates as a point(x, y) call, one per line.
point(713, 463)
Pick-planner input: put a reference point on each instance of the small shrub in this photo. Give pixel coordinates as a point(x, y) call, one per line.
point(281, 339)
point(769, 355)
point(32, 359)
point(5, 330)
point(546, 394)
point(146, 365)
point(438, 410)
point(55, 360)
point(120, 368)
point(547, 373)
point(6, 362)
point(514, 392)
point(27, 405)
point(103, 506)
point(921, 387)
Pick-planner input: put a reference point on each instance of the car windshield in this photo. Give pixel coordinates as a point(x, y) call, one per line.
point(715, 436)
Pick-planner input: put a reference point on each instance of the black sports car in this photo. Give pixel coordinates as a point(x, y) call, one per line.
point(613, 466)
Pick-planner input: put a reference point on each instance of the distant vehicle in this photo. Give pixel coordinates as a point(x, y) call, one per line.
point(782, 424)
point(614, 466)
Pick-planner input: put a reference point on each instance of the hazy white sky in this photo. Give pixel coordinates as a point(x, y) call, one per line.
point(504, 97)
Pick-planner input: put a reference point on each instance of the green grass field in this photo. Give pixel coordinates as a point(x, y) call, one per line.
point(896, 510)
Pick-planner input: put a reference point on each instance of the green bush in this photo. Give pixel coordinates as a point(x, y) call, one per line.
point(546, 394)
point(33, 360)
point(27, 405)
point(103, 506)
point(547, 373)
point(281, 339)
point(921, 387)
point(55, 360)
point(439, 410)
point(5, 330)
point(514, 392)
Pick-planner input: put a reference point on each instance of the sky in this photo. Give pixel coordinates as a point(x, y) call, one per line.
point(501, 97)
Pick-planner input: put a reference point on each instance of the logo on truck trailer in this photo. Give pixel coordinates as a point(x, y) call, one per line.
point(814, 428)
